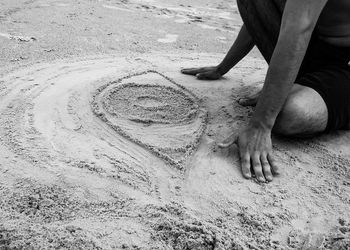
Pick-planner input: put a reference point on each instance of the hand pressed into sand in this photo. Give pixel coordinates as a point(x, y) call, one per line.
point(204, 73)
point(255, 150)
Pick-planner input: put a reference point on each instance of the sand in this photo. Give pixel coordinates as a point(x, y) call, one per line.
point(104, 144)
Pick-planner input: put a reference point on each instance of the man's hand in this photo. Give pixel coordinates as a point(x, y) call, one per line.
point(240, 48)
point(255, 150)
point(204, 73)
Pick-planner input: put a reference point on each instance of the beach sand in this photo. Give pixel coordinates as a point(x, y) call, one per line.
point(104, 144)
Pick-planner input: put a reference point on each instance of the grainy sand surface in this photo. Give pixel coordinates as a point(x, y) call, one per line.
point(105, 145)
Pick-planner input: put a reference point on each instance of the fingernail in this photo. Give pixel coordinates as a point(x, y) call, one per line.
point(261, 179)
point(247, 175)
point(223, 145)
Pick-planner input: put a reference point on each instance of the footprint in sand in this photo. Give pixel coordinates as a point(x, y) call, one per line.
point(169, 38)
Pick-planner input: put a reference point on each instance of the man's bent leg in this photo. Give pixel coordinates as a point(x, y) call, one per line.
point(304, 113)
point(263, 20)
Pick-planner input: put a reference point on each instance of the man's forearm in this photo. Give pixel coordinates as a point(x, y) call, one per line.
point(240, 48)
point(298, 22)
point(281, 75)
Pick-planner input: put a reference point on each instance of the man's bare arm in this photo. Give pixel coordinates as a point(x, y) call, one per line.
point(254, 142)
point(240, 48)
point(298, 22)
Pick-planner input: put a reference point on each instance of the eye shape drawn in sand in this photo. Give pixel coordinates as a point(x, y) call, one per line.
point(155, 112)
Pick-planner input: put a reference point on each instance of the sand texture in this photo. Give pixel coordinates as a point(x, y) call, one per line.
point(104, 144)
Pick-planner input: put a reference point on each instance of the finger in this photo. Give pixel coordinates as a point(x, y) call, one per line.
point(273, 164)
point(266, 167)
point(245, 165)
point(250, 100)
point(208, 76)
point(257, 168)
point(247, 102)
point(193, 71)
point(228, 141)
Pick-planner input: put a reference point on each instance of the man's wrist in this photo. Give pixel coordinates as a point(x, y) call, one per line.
point(262, 124)
point(222, 70)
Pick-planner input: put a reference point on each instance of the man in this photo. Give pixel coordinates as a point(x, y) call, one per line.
point(307, 86)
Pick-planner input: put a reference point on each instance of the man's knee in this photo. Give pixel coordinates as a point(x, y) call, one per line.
point(292, 119)
point(304, 113)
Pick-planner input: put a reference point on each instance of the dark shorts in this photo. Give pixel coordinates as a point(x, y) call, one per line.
point(326, 69)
